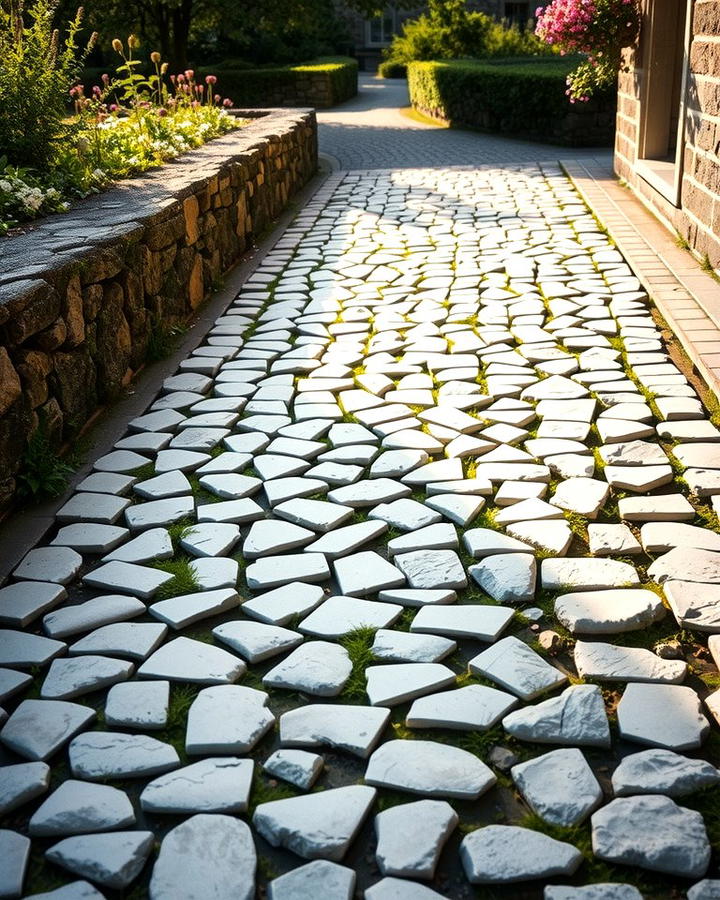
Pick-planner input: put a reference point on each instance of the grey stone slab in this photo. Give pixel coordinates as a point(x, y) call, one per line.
point(281, 489)
point(431, 569)
point(210, 539)
point(475, 621)
point(78, 807)
point(104, 509)
point(11, 682)
point(227, 719)
point(505, 854)
point(366, 572)
point(707, 889)
point(74, 676)
point(610, 611)
point(22, 783)
point(297, 767)
point(215, 785)
point(410, 837)
point(612, 540)
point(656, 508)
point(128, 640)
point(15, 854)
point(269, 536)
point(138, 705)
point(442, 536)
point(120, 462)
point(399, 889)
point(193, 661)
point(559, 786)
point(339, 616)
point(694, 605)
point(81, 617)
point(429, 768)
point(653, 833)
point(178, 612)
point(585, 496)
point(276, 571)
point(111, 860)
point(233, 511)
point(400, 646)
point(482, 542)
point(662, 715)
point(390, 685)
point(105, 755)
point(320, 878)
point(55, 564)
point(658, 771)
point(22, 602)
point(90, 538)
point(161, 487)
point(396, 463)
point(507, 577)
point(317, 668)
point(355, 729)
point(577, 716)
point(687, 564)
point(601, 891)
point(155, 543)
point(459, 508)
point(470, 708)
point(584, 574)
point(274, 465)
point(256, 641)
point(608, 662)
point(407, 515)
point(316, 825)
point(180, 460)
point(342, 541)
point(141, 581)
point(37, 729)
point(369, 492)
point(23, 650)
point(417, 597)
point(515, 666)
point(314, 514)
point(280, 606)
point(208, 855)
point(106, 483)
point(660, 537)
point(159, 513)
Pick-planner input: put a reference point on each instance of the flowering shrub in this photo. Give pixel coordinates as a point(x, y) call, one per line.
point(126, 124)
point(598, 28)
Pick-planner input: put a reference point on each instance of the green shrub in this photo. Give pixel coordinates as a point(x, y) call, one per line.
point(520, 97)
point(450, 31)
point(37, 70)
point(391, 68)
point(261, 87)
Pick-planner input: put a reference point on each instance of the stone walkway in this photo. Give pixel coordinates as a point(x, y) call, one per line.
point(370, 601)
point(371, 132)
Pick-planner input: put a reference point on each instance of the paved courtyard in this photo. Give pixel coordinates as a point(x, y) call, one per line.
point(406, 585)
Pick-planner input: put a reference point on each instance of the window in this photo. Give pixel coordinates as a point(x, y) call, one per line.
point(380, 29)
point(665, 40)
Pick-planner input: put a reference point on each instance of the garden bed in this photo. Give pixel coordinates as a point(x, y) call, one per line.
point(321, 83)
point(84, 294)
point(523, 97)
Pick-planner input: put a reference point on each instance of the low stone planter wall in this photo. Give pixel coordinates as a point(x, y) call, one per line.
point(82, 294)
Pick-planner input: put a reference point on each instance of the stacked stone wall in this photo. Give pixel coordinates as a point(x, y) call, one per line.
point(84, 295)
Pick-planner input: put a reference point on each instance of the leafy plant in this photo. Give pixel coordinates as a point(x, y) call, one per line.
point(37, 69)
point(42, 473)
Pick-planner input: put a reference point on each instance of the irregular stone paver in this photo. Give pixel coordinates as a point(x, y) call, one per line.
point(429, 768)
point(662, 715)
point(319, 878)
point(436, 349)
point(658, 771)
point(503, 854)
point(318, 825)
point(21, 783)
point(97, 756)
point(77, 807)
point(15, 851)
point(654, 833)
point(207, 855)
point(410, 837)
point(111, 860)
point(559, 786)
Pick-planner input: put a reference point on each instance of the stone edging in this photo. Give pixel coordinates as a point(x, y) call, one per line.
point(82, 295)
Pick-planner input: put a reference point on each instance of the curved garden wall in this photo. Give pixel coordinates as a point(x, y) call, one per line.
point(83, 294)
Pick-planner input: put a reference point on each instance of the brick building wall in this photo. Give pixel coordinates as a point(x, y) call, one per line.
point(691, 206)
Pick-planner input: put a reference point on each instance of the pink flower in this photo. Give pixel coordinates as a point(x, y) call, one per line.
point(227, 103)
point(210, 79)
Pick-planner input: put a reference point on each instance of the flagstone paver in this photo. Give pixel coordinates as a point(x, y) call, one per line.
point(389, 505)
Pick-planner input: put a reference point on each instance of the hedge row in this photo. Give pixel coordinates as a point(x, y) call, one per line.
point(320, 83)
point(525, 98)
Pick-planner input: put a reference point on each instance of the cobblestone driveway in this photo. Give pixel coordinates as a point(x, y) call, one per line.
point(370, 132)
point(370, 601)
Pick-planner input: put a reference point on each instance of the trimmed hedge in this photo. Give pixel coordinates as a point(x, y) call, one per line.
point(521, 97)
point(320, 83)
point(390, 68)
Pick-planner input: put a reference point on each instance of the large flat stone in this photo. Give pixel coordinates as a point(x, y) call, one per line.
point(559, 786)
point(227, 719)
point(411, 837)
point(662, 715)
point(505, 854)
point(355, 729)
point(216, 785)
point(515, 666)
point(37, 729)
point(576, 717)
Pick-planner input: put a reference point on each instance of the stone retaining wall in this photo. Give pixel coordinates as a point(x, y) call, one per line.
point(83, 295)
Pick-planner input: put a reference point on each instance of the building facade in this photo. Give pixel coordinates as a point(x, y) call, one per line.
point(667, 145)
point(371, 36)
